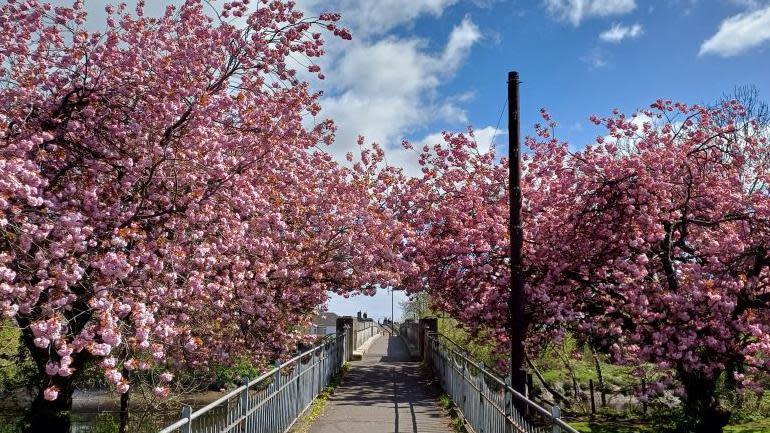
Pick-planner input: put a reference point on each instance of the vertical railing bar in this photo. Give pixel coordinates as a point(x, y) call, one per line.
point(489, 408)
point(186, 413)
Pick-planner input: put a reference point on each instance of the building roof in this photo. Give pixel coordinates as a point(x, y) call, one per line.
point(325, 319)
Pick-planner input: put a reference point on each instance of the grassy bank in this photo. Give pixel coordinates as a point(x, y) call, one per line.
point(568, 369)
point(631, 425)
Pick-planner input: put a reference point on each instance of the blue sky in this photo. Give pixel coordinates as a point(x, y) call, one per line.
point(417, 67)
point(572, 71)
point(569, 59)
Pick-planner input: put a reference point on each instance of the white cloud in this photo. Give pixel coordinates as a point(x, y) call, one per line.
point(485, 138)
point(595, 59)
point(380, 86)
point(739, 33)
point(460, 42)
point(387, 88)
point(489, 137)
point(618, 32)
point(380, 16)
point(574, 11)
point(450, 112)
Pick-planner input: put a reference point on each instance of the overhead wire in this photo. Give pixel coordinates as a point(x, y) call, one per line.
point(497, 127)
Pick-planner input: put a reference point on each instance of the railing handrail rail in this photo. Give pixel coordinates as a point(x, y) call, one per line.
point(393, 328)
point(479, 365)
point(195, 415)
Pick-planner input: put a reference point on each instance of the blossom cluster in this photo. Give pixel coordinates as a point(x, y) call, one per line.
point(163, 202)
point(650, 244)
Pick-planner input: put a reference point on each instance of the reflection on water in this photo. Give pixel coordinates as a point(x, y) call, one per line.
point(109, 422)
point(102, 422)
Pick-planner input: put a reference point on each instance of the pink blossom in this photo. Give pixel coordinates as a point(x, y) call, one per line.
point(161, 391)
point(122, 387)
point(51, 368)
point(645, 242)
point(51, 393)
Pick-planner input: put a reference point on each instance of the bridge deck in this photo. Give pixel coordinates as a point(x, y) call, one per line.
point(384, 393)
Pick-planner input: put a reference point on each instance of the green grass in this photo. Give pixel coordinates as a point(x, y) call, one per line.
point(15, 367)
point(603, 425)
point(749, 416)
point(762, 426)
point(457, 422)
point(480, 351)
point(552, 365)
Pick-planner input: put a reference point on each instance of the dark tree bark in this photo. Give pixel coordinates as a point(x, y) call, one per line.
point(600, 377)
point(557, 396)
point(44, 416)
point(703, 413)
point(124, 404)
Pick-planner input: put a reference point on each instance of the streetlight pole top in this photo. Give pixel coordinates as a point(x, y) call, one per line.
point(513, 76)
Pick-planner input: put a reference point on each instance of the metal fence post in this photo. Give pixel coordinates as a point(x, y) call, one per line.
point(245, 402)
point(271, 407)
point(555, 414)
point(274, 406)
point(299, 388)
point(345, 325)
point(313, 384)
point(464, 384)
point(339, 343)
point(186, 412)
point(508, 402)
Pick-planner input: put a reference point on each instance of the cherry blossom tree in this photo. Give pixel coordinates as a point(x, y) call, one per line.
point(457, 236)
point(652, 243)
point(164, 202)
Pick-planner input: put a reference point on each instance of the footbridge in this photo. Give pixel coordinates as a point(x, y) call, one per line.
point(397, 376)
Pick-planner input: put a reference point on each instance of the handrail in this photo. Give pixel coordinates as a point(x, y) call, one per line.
point(361, 334)
point(189, 416)
point(553, 416)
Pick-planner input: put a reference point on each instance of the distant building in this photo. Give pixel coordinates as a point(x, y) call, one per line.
point(324, 323)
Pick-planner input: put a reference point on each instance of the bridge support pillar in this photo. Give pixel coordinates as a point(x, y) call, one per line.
point(427, 325)
point(346, 324)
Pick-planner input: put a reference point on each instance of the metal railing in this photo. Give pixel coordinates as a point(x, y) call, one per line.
point(410, 331)
point(363, 331)
point(390, 327)
point(272, 402)
point(487, 403)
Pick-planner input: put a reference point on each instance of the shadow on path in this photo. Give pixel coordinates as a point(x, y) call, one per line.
point(384, 393)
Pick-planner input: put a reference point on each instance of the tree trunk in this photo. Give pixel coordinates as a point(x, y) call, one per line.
point(576, 392)
point(50, 416)
point(45, 416)
point(703, 413)
point(600, 377)
point(124, 404)
point(557, 396)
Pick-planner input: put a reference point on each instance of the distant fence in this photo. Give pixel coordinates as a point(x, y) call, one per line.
point(364, 330)
point(487, 403)
point(272, 402)
point(410, 332)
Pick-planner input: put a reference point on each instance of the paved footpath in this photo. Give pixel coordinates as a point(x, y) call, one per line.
point(384, 393)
